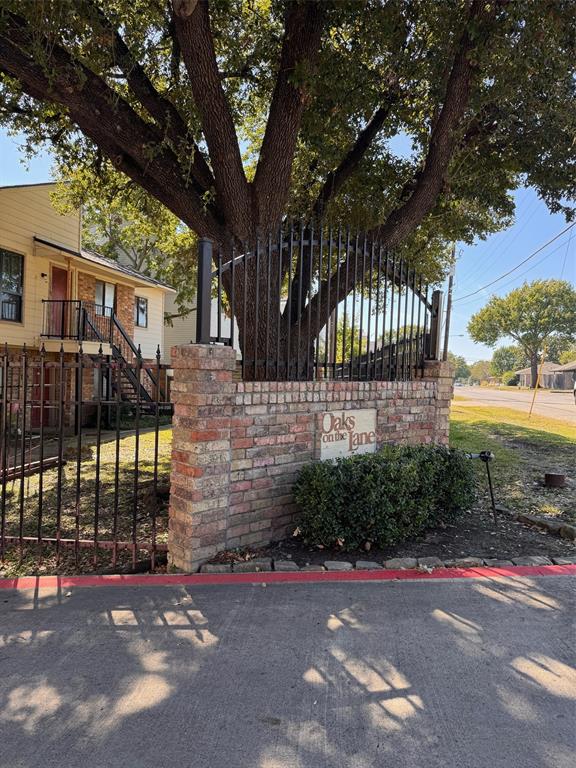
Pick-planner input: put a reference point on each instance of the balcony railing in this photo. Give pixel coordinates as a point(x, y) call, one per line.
point(77, 320)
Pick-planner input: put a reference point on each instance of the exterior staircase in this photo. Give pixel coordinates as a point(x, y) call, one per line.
point(137, 382)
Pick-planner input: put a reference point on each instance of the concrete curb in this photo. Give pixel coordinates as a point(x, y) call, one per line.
point(60, 583)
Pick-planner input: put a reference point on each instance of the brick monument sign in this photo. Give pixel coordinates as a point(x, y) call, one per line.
point(238, 446)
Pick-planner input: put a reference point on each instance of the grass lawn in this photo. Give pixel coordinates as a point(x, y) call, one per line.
point(525, 448)
point(94, 484)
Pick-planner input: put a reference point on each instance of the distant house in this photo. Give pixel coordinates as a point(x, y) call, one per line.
point(565, 376)
point(553, 376)
point(56, 294)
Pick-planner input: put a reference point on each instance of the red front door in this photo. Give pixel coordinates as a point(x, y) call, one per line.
point(58, 295)
point(41, 405)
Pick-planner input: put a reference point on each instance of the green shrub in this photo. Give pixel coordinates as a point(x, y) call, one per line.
point(384, 497)
point(510, 379)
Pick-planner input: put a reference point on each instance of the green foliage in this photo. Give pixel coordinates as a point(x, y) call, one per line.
point(510, 358)
point(568, 356)
point(383, 498)
point(122, 222)
point(537, 315)
point(480, 371)
point(517, 130)
point(345, 346)
point(461, 367)
point(557, 346)
point(509, 379)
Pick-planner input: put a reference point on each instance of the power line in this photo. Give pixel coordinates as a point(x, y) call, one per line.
point(506, 241)
point(525, 272)
point(535, 253)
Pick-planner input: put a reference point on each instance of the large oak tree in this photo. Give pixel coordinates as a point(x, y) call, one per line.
point(235, 113)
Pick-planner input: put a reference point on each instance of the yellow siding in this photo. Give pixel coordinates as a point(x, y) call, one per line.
point(28, 211)
point(149, 338)
point(182, 330)
point(25, 212)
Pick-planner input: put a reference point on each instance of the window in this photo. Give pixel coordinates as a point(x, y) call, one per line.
point(140, 312)
point(105, 294)
point(11, 285)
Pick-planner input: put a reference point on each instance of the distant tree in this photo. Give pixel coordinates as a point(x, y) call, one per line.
point(568, 356)
point(122, 222)
point(506, 359)
point(556, 346)
point(480, 371)
point(344, 346)
point(461, 368)
point(535, 315)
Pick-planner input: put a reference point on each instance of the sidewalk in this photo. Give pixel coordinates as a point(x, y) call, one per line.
point(458, 673)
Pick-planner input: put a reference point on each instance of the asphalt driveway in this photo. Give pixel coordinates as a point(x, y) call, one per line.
point(452, 674)
point(555, 405)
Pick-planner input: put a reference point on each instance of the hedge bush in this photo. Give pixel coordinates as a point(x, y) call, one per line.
point(384, 497)
point(510, 379)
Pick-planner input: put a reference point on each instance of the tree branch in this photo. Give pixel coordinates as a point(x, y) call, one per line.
point(337, 178)
point(158, 107)
point(134, 146)
point(427, 186)
point(302, 33)
point(192, 27)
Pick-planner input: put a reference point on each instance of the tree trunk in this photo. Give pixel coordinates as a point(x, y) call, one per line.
point(272, 343)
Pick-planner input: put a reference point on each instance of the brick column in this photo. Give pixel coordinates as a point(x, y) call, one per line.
point(442, 373)
point(204, 395)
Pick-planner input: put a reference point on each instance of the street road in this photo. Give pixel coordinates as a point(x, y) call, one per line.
point(453, 674)
point(556, 405)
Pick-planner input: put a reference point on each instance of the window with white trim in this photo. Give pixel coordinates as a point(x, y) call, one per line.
point(11, 285)
point(140, 312)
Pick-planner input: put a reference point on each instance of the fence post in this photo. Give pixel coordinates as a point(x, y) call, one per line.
point(204, 292)
point(448, 313)
point(435, 325)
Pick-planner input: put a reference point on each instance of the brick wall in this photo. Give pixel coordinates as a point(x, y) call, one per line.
point(86, 287)
point(124, 299)
point(238, 446)
point(125, 308)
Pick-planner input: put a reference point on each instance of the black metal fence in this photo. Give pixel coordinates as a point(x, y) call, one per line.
point(84, 460)
point(312, 303)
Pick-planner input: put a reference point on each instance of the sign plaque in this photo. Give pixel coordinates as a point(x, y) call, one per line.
point(347, 433)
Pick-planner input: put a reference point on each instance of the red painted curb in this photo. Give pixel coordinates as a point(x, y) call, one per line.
point(271, 577)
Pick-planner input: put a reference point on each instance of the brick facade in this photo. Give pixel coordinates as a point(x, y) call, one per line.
point(86, 287)
point(124, 302)
point(238, 446)
point(125, 307)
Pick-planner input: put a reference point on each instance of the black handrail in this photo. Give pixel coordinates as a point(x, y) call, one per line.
point(86, 316)
point(137, 354)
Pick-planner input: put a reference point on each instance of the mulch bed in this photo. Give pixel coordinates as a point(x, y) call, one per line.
point(473, 534)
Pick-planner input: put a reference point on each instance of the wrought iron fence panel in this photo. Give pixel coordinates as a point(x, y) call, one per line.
point(84, 460)
point(311, 302)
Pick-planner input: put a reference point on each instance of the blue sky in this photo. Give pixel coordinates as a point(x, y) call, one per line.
point(477, 265)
